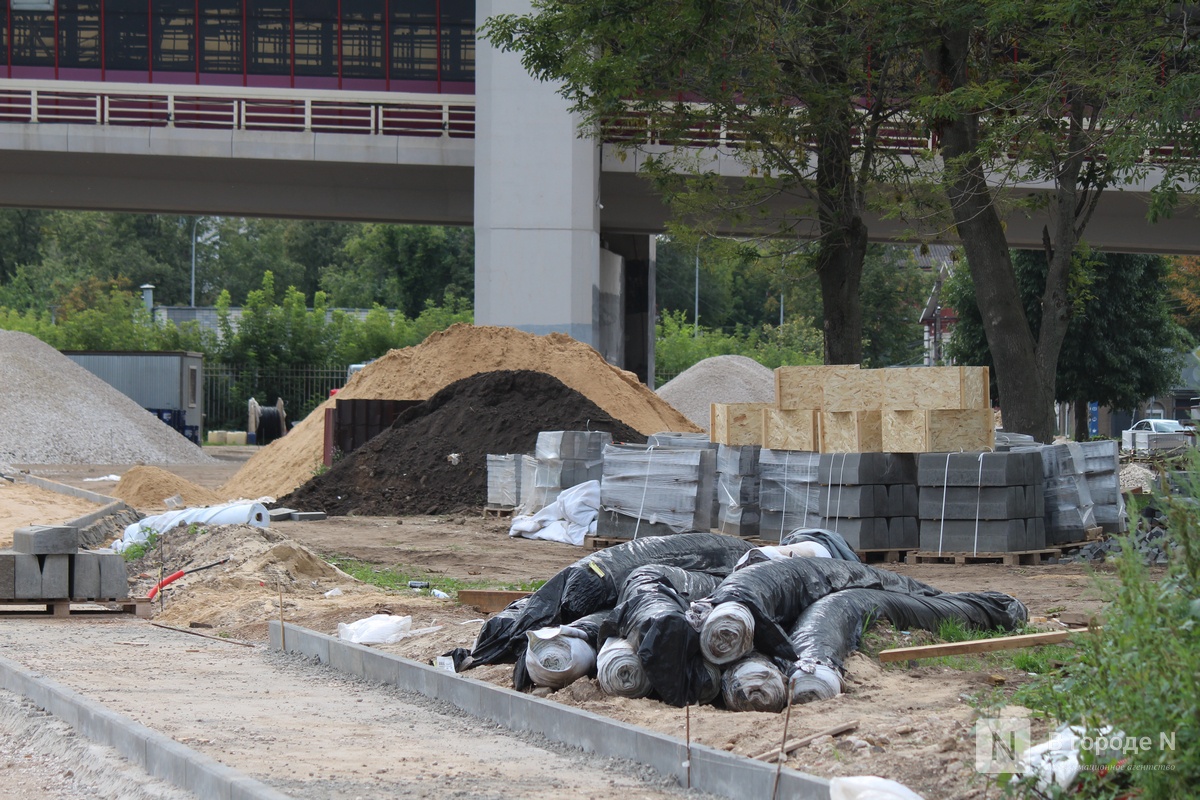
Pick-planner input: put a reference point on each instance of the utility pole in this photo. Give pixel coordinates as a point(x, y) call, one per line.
point(696, 310)
point(195, 222)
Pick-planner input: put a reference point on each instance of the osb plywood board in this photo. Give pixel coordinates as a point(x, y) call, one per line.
point(851, 431)
point(804, 387)
point(736, 423)
point(905, 431)
point(951, 430)
point(935, 388)
point(860, 390)
point(798, 429)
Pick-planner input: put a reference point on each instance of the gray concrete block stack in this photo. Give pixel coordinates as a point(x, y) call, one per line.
point(788, 492)
point(655, 491)
point(870, 499)
point(1070, 511)
point(981, 502)
point(45, 563)
point(738, 490)
point(504, 474)
point(1102, 470)
point(692, 441)
point(561, 459)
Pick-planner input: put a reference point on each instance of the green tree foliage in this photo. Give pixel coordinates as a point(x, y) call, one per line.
point(677, 348)
point(1122, 344)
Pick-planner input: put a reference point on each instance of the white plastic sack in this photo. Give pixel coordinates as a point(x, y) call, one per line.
point(568, 519)
point(228, 514)
point(868, 787)
point(380, 629)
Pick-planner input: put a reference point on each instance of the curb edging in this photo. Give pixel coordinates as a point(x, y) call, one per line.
point(159, 755)
point(714, 771)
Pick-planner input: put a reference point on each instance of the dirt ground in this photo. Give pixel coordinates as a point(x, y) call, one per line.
point(914, 723)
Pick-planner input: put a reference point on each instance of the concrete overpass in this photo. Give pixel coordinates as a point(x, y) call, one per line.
point(564, 228)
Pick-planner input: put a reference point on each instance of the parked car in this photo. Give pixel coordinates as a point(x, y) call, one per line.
point(1158, 434)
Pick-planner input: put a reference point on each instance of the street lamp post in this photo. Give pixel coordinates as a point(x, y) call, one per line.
point(696, 310)
point(195, 222)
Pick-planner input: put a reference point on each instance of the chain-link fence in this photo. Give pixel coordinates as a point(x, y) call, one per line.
point(228, 388)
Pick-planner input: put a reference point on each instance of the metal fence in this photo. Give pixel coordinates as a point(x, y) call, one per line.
point(228, 388)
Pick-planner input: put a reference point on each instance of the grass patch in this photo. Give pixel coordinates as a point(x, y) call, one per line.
point(397, 578)
point(135, 551)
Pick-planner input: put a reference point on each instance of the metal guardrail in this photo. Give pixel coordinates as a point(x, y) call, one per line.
point(236, 108)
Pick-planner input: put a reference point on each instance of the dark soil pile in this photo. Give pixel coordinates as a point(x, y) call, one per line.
point(407, 469)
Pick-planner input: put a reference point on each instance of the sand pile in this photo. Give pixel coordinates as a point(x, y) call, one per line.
point(720, 379)
point(53, 411)
point(148, 487)
point(407, 469)
point(416, 373)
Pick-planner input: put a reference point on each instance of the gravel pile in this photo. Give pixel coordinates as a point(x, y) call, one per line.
point(720, 379)
point(53, 411)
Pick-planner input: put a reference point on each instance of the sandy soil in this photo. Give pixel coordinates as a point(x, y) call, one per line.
point(303, 728)
point(23, 504)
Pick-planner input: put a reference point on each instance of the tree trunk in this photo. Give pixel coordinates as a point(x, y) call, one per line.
point(1026, 397)
point(839, 268)
point(1081, 421)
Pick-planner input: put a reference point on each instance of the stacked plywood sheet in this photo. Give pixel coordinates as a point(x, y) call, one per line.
point(844, 409)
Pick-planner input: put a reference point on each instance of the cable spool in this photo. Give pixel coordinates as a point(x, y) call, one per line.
point(270, 425)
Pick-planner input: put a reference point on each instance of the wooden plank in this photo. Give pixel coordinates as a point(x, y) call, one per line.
point(1012, 558)
point(489, 600)
point(905, 431)
point(797, 429)
point(963, 429)
point(804, 386)
point(851, 431)
point(737, 424)
point(796, 744)
point(977, 646)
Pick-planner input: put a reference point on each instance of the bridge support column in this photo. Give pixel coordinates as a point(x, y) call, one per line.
point(537, 207)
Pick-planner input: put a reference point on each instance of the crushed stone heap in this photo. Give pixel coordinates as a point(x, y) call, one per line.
point(408, 468)
point(720, 379)
point(460, 351)
point(53, 411)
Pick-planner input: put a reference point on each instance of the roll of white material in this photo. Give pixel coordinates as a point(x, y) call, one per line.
point(229, 514)
point(754, 684)
point(812, 681)
point(556, 658)
point(869, 787)
point(620, 671)
point(727, 633)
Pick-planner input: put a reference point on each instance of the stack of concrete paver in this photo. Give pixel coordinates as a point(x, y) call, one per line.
point(504, 474)
point(981, 502)
point(562, 459)
point(1070, 512)
point(655, 491)
point(692, 441)
point(788, 492)
point(1102, 468)
point(738, 490)
point(45, 563)
point(870, 499)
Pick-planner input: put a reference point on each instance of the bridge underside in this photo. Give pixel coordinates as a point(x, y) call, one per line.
point(436, 194)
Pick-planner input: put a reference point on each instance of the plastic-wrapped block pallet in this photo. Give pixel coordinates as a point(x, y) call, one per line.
point(1102, 468)
point(692, 441)
point(659, 485)
point(860, 469)
point(981, 502)
point(870, 498)
point(504, 480)
point(1069, 507)
point(738, 490)
point(788, 489)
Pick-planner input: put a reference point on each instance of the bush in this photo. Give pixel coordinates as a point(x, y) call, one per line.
point(1140, 671)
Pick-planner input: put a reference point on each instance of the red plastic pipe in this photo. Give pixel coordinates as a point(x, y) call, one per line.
point(165, 582)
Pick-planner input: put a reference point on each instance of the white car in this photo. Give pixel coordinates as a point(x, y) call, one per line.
point(1158, 434)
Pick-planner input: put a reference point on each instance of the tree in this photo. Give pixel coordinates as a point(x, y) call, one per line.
point(1093, 86)
point(797, 86)
point(1122, 344)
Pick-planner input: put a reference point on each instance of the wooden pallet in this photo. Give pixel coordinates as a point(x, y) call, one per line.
point(138, 606)
point(893, 556)
point(1015, 558)
point(497, 511)
point(601, 542)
